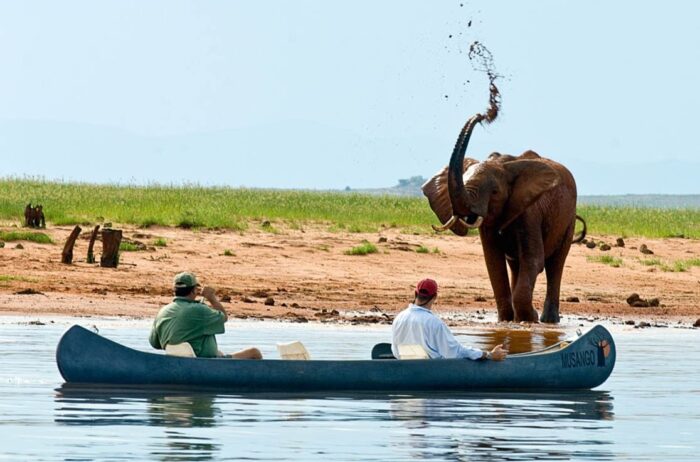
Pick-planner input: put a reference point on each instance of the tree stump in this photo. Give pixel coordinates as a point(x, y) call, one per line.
point(67, 255)
point(111, 239)
point(28, 215)
point(90, 253)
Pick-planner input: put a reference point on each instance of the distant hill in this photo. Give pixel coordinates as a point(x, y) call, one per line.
point(411, 187)
point(406, 187)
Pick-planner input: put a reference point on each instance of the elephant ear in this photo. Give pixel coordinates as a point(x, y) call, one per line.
point(435, 189)
point(529, 179)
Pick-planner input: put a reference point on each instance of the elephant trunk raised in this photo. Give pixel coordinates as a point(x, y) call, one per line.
point(455, 181)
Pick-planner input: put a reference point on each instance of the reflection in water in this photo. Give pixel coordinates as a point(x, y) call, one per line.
point(483, 419)
point(517, 340)
point(470, 426)
point(78, 405)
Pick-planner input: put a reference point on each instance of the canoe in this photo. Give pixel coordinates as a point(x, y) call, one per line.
point(84, 357)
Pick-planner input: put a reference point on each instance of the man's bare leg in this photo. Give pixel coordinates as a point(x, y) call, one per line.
point(248, 353)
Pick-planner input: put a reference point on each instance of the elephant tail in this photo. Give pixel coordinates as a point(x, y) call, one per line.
point(579, 237)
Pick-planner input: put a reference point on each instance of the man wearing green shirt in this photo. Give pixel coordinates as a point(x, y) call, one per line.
point(187, 320)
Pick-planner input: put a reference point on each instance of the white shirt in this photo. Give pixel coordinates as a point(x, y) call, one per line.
point(419, 326)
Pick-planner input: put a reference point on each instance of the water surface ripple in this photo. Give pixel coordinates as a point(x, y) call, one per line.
point(648, 410)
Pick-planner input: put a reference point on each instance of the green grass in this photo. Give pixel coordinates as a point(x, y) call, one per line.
point(642, 222)
point(128, 247)
point(160, 242)
point(677, 266)
point(651, 262)
point(10, 278)
point(40, 238)
point(422, 249)
point(229, 253)
point(363, 249)
point(607, 260)
point(194, 206)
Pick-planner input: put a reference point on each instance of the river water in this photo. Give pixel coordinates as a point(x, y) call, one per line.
point(649, 409)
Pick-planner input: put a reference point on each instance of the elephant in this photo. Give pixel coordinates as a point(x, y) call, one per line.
point(525, 210)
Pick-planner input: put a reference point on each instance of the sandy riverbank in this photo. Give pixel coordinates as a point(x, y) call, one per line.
point(305, 275)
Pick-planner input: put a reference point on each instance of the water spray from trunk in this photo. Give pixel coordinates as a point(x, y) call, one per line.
point(482, 61)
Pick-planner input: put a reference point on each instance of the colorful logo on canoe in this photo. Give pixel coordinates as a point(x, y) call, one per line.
point(587, 358)
point(603, 352)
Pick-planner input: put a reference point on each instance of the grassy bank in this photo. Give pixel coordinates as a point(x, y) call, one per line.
point(195, 206)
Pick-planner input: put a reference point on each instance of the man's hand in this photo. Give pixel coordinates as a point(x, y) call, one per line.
point(210, 294)
point(498, 353)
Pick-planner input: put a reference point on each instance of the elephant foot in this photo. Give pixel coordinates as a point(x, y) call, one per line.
point(505, 315)
point(550, 313)
point(550, 317)
point(526, 316)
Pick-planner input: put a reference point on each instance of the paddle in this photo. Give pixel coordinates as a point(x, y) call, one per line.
point(382, 351)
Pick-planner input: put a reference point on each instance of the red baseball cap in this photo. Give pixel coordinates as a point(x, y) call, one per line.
point(427, 288)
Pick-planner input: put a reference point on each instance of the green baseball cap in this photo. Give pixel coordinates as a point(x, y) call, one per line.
point(186, 280)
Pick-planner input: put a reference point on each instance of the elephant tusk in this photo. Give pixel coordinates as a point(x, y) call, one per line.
point(450, 223)
point(476, 224)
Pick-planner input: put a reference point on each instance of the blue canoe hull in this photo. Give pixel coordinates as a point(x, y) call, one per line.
point(85, 357)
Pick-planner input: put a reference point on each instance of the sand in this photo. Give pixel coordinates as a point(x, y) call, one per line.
point(304, 275)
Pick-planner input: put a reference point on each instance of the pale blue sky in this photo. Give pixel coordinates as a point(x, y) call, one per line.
point(322, 94)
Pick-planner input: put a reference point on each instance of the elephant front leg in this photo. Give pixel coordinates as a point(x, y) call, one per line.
point(531, 263)
point(522, 295)
point(554, 268)
point(498, 275)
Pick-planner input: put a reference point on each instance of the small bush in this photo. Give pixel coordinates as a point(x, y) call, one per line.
point(229, 253)
point(607, 260)
point(363, 249)
point(681, 266)
point(128, 247)
point(160, 242)
point(678, 266)
point(40, 238)
point(148, 222)
point(436, 250)
point(268, 228)
point(422, 249)
point(10, 278)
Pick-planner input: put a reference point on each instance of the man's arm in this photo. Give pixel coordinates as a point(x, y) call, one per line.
point(153, 338)
point(448, 346)
point(210, 294)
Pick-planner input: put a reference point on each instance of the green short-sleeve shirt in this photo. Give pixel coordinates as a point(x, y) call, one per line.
point(185, 320)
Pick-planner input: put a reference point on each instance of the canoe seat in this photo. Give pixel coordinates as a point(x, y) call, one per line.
point(180, 349)
point(412, 352)
point(293, 350)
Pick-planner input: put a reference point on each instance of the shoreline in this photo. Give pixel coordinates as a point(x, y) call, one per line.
point(306, 275)
point(469, 317)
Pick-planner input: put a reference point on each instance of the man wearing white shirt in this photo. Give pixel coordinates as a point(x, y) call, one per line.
point(418, 325)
